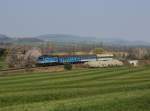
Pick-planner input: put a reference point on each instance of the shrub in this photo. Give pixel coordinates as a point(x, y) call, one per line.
point(68, 66)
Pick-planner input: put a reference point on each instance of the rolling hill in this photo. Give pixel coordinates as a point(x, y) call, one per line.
point(66, 38)
point(24, 40)
point(106, 41)
point(4, 38)
point(28, 40)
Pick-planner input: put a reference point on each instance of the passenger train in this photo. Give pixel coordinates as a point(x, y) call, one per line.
point(72, 59)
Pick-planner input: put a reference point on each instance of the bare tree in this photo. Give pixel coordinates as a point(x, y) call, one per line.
point(31, 57)
point(137, 53)
point(15, 58)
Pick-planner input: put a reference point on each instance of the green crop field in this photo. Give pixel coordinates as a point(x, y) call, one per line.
point(106, 89)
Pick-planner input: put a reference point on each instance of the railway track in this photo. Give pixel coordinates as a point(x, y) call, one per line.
point(11, 69)
point(14, 70)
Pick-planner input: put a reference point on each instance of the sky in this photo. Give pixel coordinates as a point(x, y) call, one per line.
point(125, 19)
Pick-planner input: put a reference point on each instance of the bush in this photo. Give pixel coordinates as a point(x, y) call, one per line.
point(68, 66)
point(2, 52)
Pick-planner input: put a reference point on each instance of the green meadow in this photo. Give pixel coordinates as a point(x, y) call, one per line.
point(100, 89)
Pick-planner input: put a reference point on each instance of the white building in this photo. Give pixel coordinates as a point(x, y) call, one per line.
point(105, 57)
point(133, 62)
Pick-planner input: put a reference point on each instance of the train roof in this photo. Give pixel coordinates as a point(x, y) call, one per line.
point(66, 55)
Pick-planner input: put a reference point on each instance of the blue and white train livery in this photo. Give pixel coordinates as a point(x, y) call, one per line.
point(46, 59)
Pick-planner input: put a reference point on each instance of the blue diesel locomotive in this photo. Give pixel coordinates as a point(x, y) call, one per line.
point(72, 59)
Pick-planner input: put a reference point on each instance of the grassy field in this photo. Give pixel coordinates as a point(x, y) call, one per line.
point(106, 89)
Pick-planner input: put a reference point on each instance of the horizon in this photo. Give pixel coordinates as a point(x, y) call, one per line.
point(100, 38)
point(121, 19)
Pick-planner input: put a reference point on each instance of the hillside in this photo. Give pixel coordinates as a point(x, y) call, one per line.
point(4, 38)
point(106, 41)
point(65, 38)
point(24, 40)
point(28, 40)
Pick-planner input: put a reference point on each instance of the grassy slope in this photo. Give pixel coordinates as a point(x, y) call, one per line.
point(108, 89)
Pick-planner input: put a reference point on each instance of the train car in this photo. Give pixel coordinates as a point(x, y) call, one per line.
point(87, 58)
point(69, 59)
point(47, 60)
point(55, 60)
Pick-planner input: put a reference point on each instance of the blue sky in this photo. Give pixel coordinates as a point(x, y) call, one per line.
point(127, 19)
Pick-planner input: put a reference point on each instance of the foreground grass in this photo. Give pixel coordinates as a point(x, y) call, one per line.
point(106, 89)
